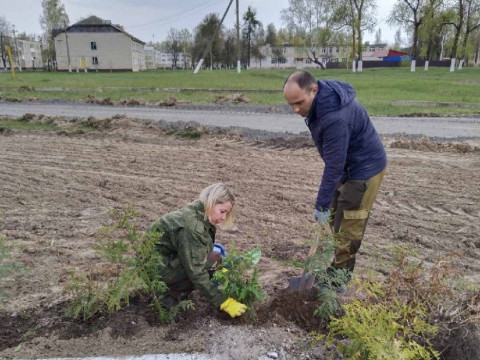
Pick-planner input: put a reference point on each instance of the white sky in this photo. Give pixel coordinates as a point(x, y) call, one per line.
point(151, 19)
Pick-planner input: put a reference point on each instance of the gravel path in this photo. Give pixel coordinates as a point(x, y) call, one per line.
point(265, 121)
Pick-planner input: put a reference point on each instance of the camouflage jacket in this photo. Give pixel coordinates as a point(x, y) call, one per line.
point(187, 239)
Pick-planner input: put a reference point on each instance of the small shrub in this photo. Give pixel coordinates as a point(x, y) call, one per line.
point(131, 269)
point(328, 278)
point(416, 314)
point(187, 134)
point(190, 134)
point(382, 331)
point(240, 281)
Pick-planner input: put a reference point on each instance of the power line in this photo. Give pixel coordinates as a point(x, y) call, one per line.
point(180, 14)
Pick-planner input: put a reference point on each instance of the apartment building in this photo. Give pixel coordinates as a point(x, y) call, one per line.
point(97, 44)
point(183, 61)
point(290, 56)
point(25, 53)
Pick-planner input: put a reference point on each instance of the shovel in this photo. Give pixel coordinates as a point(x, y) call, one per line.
point(304, 282)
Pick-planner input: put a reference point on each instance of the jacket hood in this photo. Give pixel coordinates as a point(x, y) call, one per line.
point(332, 95)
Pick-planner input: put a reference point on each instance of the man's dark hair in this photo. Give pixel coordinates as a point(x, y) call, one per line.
point(303, 79)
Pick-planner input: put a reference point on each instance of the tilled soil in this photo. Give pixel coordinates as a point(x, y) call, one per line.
point(57, 189)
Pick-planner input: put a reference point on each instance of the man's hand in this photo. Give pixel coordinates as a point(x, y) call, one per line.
point(322, 217)
point(233, 307)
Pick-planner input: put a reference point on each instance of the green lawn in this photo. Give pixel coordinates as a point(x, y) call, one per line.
point(376, 88)
point(25, 125)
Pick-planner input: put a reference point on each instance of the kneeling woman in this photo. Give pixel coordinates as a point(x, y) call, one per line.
point(187, 247)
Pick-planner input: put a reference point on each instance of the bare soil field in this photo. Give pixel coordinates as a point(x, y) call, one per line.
point(57, 189)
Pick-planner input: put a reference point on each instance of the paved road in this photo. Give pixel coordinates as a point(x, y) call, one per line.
point(290, 123)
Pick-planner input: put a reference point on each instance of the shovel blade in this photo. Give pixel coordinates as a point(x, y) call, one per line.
point(302, 283)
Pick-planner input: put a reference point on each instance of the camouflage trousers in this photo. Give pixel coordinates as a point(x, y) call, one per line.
point(179, 285)
point(351, 207)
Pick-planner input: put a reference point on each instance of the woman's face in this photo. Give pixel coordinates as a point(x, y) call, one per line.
point(219, 212)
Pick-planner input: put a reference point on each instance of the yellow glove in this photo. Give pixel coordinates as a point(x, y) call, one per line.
point(233, 308)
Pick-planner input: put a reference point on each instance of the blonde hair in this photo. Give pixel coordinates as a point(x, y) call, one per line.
point(214, 194)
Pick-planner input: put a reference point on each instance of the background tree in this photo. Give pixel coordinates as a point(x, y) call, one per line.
point(476, 46)
point(173, 45)
point(5, 39)
point(358, 16)
point(472, 23)
point(397, 40)
point(271, 35)
point(229, 51)
point(186, 45)
point(363, 16)
point(343, 17)
point(431, 34)
point(411, 15)
point(306, 17)
point(457, 10)
point(258, 42)
point(203, 33)
point(250, 26)
point(283, 37)
point(54, 16)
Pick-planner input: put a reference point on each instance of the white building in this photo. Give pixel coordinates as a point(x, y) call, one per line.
point(152, 57)
point(30, 54)
point(183, 61)
point(96, 44)
point(25, 53)
point(290, 56)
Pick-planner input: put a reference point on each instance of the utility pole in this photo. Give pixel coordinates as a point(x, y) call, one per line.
point(68, 49)
point(239, 46)
point(207, 49)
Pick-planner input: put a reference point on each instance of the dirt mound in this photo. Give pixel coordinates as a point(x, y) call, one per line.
point(130, 102)
point(232, 98)
point(297, 307)
point(172, 101)
point(5, 131)
point(426, 144)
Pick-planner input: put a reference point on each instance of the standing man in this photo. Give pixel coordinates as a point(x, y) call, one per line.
point(353, 154)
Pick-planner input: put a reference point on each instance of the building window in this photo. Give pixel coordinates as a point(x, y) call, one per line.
point(93, 45)
point(94, 60)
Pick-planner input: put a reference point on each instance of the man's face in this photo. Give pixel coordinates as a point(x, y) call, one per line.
point(300, 100)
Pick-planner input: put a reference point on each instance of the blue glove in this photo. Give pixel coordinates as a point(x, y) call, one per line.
point(322, 217)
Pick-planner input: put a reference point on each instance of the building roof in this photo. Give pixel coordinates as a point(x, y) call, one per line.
point(397, 53)
point(96, 24)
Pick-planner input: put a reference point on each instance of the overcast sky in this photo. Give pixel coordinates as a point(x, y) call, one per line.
point(151, 19)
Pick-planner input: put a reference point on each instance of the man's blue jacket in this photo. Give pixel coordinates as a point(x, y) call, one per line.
point(345, 138)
